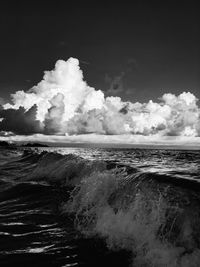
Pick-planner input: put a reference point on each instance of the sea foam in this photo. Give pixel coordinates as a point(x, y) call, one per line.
point(151, 220)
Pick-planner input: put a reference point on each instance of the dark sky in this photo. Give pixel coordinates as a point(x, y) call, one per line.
point(141, 50)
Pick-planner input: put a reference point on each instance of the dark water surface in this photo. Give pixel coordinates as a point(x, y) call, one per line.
point(99, 207)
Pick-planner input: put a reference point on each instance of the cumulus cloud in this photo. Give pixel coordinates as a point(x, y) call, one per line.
point(63, 104)
point(20, 121)
point(54, 115)
point(2, 101)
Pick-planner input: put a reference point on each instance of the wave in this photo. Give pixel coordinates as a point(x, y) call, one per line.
point(158, 223)
point(64, 169)
point(156, 217)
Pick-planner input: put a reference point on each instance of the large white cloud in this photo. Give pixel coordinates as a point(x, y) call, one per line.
point(65, 105)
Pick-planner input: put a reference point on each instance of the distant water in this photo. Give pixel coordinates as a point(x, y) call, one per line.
point(99, 207)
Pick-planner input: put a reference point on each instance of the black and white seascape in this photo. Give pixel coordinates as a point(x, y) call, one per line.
point(100, 154)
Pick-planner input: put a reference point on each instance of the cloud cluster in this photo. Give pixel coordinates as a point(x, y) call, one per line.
point(63, 104)
point(20, 121)
point(2, 101)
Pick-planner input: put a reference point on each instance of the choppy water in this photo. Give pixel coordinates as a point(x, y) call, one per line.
point(99, 207)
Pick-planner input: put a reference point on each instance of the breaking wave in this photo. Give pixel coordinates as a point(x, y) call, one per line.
point(62, 169)
point(158, 223)
point(156, 217)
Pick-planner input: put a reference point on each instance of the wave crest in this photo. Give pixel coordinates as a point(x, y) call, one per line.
point(64, 169)
point(150, 219)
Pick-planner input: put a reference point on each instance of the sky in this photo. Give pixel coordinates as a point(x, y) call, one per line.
point(120, 70)
point(138, 50)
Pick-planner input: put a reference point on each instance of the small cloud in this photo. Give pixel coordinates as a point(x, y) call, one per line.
point(84, 62)
point(2, 101)
point(115, 84)
point(20, 121)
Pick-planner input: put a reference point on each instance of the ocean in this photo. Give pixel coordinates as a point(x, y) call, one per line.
point(99, 207)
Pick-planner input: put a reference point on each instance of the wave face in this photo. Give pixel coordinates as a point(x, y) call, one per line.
point(143, 204)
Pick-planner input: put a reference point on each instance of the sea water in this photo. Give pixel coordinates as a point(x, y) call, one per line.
point(99, 207)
